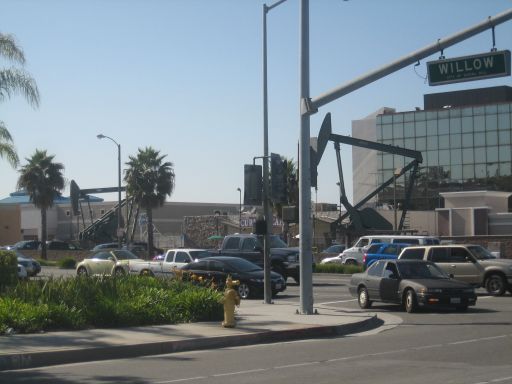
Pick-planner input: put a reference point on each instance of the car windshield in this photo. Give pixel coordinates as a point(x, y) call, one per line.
point(420, 271)
point(242, 265)
point(124, 255)
point(480, 252)
point(196, 255)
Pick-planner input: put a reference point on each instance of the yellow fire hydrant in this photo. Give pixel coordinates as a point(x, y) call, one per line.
point(230, 299)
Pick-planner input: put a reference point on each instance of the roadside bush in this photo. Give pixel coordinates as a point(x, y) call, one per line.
point(82, 302)
point(337, 268)
point(8, 268)
point(67, 263)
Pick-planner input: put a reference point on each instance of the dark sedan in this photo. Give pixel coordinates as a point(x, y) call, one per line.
point(218, 268)
point(411, 283)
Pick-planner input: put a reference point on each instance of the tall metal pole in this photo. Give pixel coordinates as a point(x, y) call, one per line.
point(119, 235)
point(239, 210)
point(306, 262)
point(266, 204)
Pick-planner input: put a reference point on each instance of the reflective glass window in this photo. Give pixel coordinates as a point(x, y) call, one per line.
point(504, 137)
point(398, 118)
point(455, 112)
point(387, 131)
point(444, 142)
point(409, 143)
point(467, 156)
point(456, 156)
point(503, 108)
point(379, 132)
point(379, 119)
point(432, 142)
point(387, 119)
point(409, 116)
point(491, 122)
point(504, 121)
point(431, 127)
point(480, 171)
point(443, 126)
point(479, 139)
point(432, 158)
point(467, 140)
point(455, 125)
point(478, 111)
point(444, 157)
point(398, 130)
point(491, 138)
point(468, 171)
point(467, 124)
point(398, 142)
point(420, 116)
point(421, 128)
point(421, 143)
point(479, 155)
point(467, 112)
point(492, 154)
point(432, 115)
point(456, 172)
point(443, 114)
point(387, 161)
point(505, 154)
point(399, 162)
point(505, 169)
point(409, 129)
point(491, 109)
point(455, 141)
point(387, 142)
point(479, 123)
point(492, 170)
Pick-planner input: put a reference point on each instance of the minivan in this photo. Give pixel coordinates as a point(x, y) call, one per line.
point(354, 254)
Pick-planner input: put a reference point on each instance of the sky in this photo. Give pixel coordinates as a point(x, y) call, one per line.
point(185, 77)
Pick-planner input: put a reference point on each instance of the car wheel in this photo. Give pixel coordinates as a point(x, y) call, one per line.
point(350, 262)
point(496, 285)
point(410, 301)
point(146, 272)
point(119, 272)
point(81, 271)
point(244, 291)
point(363, 299)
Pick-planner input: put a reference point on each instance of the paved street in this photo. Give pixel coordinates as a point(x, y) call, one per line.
point(424, 347)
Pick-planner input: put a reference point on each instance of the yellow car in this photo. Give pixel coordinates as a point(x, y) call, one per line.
point(107, 262)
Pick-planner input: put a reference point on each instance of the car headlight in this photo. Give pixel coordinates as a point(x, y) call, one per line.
point(431, 290)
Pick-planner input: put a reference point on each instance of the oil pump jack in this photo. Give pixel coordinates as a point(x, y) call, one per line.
point(366, 219)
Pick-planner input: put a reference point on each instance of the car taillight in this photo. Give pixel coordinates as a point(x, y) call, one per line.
point(364, 258)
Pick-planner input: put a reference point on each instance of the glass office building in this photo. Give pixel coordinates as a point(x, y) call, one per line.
point(464, 148)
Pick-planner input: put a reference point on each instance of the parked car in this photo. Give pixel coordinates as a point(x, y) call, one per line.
point(250, 275)
point(380, 251)
point(471, 263)
point(354, 254)
point(332, 254)
point(412, 284)
point(31, 265)
point(61, 246)
point(173, 258)
point(138, 248)
point(107, 262)
point(27, 244)
point(22, 272)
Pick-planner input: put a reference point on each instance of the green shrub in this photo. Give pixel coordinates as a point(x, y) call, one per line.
point(67, 263)
point(8, 268)
point(77, 303)
point(337, 268)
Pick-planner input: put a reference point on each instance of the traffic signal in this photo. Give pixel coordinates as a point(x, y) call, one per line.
point(278, 176)
point(253, 184)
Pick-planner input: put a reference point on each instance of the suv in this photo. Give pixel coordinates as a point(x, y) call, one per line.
point(379, 251)
point(471, 263)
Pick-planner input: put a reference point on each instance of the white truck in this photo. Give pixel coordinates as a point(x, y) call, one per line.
point(164, 265)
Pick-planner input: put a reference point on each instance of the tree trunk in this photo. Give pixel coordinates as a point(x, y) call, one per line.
point(149, 212)
point(43, 234)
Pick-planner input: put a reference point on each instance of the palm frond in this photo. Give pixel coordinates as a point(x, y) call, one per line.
point(14, 81)
point(10, 50)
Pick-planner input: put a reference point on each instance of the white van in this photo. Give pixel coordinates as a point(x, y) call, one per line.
point(354, 254)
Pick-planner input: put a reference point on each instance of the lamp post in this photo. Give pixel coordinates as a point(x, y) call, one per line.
point(119, 234)
point(240, 210)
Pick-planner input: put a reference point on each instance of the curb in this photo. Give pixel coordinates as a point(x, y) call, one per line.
point(47, 358)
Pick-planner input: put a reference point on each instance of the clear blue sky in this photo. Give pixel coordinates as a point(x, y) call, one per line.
point(184, 76)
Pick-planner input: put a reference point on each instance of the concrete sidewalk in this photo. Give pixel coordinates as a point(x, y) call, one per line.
point(256, 323)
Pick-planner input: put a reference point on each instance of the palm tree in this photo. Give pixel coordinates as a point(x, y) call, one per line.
point(43, 181)
point(149, 181)
point(14, 80)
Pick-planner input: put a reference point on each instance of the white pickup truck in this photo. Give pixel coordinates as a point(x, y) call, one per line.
point(173, 258)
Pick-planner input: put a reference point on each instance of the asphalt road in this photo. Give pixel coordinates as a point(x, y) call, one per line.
point(474, 347)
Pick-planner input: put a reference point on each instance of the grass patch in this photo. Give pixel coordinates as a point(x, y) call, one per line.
point(84, 302)
point(337, 268)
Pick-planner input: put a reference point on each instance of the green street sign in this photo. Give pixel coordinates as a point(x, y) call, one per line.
point(468, 68)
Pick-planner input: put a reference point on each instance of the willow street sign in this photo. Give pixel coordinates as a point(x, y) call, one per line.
point(468, 68)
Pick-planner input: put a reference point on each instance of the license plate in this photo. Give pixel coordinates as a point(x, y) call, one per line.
point(455, 300)
point(278, 286)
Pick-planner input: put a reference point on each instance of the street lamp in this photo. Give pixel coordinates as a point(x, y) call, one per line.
point(119, 234)
point(240, 210)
